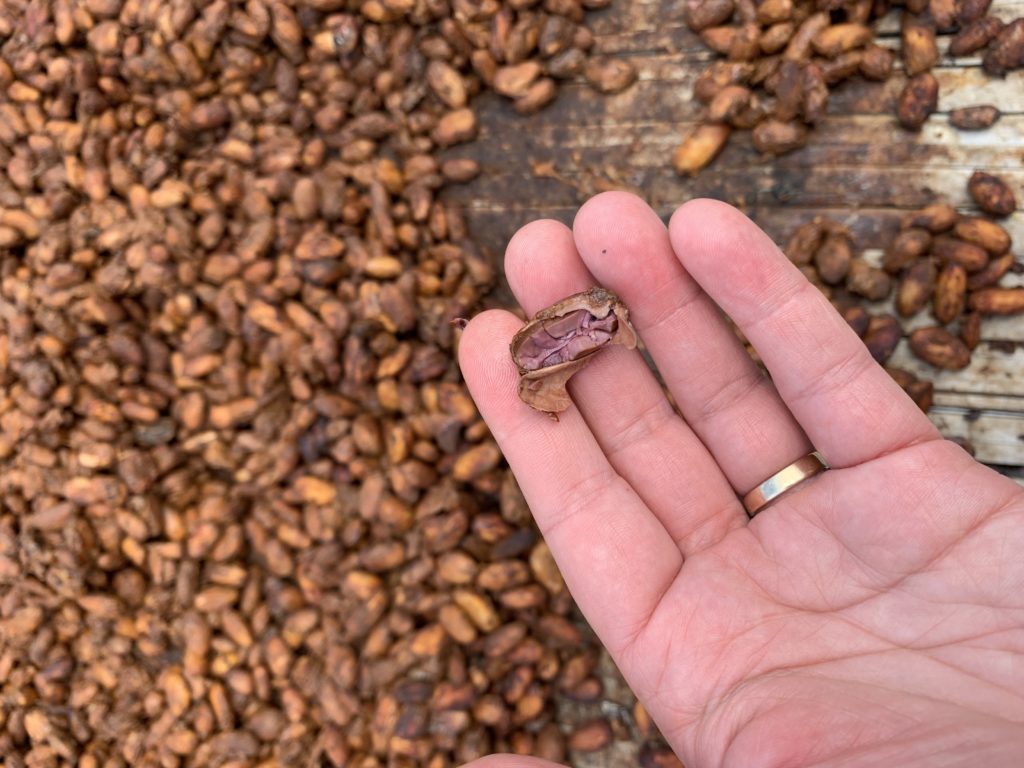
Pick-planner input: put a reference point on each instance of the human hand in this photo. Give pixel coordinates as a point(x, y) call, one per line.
point(872, 616)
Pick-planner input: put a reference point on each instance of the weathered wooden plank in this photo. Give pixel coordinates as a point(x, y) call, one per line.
point(871, 227)
point(664, 91)
point(765, 184)
point(838, 139)
point(838, 127)
point(994, 370)
point(998, 438)
point(638, 26)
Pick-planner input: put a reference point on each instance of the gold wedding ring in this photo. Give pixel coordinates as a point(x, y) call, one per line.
point(784, 480)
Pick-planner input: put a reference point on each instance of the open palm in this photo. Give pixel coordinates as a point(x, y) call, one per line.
point(873, 616)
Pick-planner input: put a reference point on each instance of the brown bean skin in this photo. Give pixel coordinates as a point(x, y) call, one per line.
point(940, 348)
point(992, 194)
point(918, 100)
point(976, 118)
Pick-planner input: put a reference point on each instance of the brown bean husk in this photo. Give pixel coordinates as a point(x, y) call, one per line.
point(544, 388)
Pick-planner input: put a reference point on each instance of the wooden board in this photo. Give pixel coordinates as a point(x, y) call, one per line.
point(859, 167)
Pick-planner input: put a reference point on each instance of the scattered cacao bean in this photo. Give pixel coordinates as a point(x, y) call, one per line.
point(920, 51)
point(950, 293)
point(984, 233)
point(882, 337)
point(1006, 51)
point(992, 194)
point(975, 36)
point(940, 348)
point(915, 288)
point(906, 248)
point(867, 281)
point(970, 330)
point(833, 257)
point(998, 301)
point(700, 148)
point(974, 118)
point(936, 218)
point(951, 250)
point(918, 99)
point(776, 137)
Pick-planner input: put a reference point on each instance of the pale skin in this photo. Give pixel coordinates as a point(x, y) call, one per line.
point(872, 617)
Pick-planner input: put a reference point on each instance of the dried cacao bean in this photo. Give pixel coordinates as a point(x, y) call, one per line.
point(940, 348)
point(992, 194)
point(974, 118)
point(562, 339)
point(918, 100)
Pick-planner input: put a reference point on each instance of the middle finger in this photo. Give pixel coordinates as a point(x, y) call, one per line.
point(722, 394)
point(624, 405)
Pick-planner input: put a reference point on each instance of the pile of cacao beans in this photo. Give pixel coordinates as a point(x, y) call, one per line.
point(940, 260)
point(249, 514)
point(782, 57)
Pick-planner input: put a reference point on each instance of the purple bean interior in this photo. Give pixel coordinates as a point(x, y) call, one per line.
point(566, 338)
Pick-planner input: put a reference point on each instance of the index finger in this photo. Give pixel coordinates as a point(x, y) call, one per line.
point(617, 558)
point(850, 408)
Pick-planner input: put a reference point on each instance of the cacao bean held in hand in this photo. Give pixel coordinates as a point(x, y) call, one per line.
point(563, 338)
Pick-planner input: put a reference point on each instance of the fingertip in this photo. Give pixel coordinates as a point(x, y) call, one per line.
point(608, 207)
point(723, 249)
point(697, 221)
point(541, 264)
point(484, 355)
point(531, 239)
point(624, 244)
point(511, 761)
point(611, 219)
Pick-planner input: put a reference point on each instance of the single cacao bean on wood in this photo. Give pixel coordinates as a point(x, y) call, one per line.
point(998, 301)
point(918, 100)
point(992, 194)
point(940, 348)
point(700, 148)
point(975, 118)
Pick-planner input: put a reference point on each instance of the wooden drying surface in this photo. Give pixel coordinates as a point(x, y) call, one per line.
point(859, 167)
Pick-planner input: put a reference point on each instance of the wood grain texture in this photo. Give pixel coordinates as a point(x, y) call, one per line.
point(860, 167)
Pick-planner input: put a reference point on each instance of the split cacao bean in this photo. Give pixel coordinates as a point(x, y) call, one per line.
point(562, 339)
